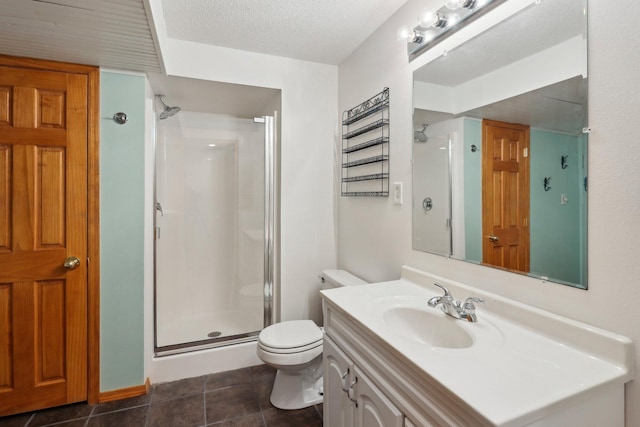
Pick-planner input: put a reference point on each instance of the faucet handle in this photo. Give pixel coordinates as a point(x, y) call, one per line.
point(434, 301)
point(469, 303)
point(446, 291)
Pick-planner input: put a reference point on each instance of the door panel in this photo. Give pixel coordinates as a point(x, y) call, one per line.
point(505, 194)
point(43, 220)
point(6, 368)
point(374, 409)
point(338, 374)
point(5, 197)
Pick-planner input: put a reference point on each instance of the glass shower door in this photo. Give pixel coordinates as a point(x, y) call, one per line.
point(210, 230)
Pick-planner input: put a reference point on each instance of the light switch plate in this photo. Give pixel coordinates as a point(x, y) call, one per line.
point(397, 193)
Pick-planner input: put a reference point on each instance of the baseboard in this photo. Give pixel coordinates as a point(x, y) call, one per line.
point(125, 393)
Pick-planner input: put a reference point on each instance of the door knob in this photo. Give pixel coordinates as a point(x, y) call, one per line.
point(71, 263)
point(492, 238)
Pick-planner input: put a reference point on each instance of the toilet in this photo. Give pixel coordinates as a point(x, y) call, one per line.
point(294, 348)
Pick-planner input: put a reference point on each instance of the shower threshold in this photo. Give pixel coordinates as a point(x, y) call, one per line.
point(169, 350)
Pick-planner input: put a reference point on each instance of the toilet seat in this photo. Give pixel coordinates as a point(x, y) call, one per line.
point(290, 350)
point(290, 336)
point(290, 343)
point(291, 359)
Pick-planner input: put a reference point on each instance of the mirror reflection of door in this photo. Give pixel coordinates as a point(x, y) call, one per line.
point(505, 195)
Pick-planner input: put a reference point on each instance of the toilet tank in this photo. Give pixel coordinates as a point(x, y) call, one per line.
point(339, 278)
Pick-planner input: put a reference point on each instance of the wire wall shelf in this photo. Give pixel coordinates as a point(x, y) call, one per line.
point(366, 177)
point(365, 148)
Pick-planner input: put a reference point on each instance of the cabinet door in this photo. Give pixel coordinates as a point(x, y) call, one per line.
point(338, 373)
point(373, 408)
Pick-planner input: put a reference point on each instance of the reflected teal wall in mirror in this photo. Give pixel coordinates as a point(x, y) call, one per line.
point(555, 213)
point(473, 189)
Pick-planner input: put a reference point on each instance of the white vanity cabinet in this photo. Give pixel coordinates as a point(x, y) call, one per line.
point(351, 399)
point(520, 367)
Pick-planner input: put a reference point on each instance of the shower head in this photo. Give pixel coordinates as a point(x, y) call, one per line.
point(419, 136)
point(168, 111)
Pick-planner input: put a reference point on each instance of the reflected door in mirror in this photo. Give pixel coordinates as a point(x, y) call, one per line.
point(505, 194)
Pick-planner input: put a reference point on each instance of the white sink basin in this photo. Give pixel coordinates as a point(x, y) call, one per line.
point(433, 327)
point(409, 319)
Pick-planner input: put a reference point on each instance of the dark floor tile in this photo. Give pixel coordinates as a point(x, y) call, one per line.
point(82, 422)
point(19, 420)
point(231, 402)
point(176, 389)
point(135, 417)
point(307, 417)
point(61, 413)
point(184, 412)
point(118, 405)
point(228, 378)
point(319, 408)
point(263, 373)
point(263, 391)
point(253, 420)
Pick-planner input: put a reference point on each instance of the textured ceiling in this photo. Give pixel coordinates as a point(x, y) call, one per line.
point(324, 31)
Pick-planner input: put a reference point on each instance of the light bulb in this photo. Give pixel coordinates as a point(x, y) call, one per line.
point(404, 33)
point(428, 18)
point(452, 19)
point(452, 4)
point(427, 36)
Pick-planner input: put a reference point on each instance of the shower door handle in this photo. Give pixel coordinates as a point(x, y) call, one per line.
point(159, 208)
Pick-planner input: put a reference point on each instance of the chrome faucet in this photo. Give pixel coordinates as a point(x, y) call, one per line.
point(455, 308)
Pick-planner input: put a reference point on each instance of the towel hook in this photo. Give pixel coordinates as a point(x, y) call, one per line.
point(120, 118)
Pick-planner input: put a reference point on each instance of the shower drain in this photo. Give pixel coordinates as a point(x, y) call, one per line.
point(214, 334)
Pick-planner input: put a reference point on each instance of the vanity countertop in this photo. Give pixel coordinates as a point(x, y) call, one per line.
point(524, 362)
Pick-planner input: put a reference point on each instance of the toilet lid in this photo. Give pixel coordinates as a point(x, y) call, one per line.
point(290, 334)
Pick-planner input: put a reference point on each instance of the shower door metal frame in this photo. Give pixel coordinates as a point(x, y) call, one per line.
point(269, 215)
point(270, 244)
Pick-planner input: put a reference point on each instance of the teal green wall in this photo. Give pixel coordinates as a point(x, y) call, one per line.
point(555, 228)
point(473, 190)
point(121, 231)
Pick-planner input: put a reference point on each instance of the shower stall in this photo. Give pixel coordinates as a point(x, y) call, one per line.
point(214, 229)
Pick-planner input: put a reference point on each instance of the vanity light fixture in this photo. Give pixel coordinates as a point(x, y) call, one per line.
point(436, 25)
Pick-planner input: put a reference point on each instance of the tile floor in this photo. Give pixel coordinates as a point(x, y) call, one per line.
point(237, 398)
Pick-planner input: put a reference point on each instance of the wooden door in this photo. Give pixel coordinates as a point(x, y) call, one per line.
point(505, 195)
point(43, 220)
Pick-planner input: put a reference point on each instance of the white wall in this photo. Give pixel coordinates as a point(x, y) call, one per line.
point(375, 235)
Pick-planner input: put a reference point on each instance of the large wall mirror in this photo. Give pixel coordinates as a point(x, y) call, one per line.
point(500, 146)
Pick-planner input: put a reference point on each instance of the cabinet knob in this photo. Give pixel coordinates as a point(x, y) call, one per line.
point(342, 382)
